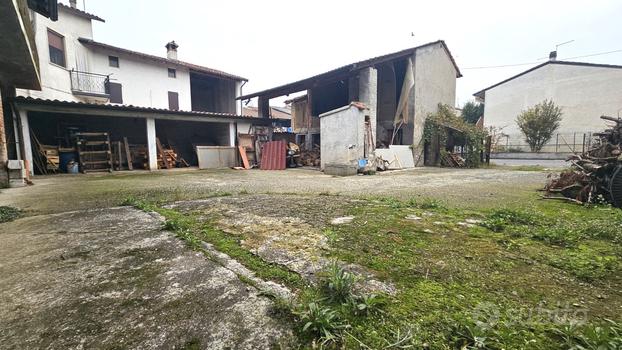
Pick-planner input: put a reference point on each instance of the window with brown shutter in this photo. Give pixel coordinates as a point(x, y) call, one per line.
point(56, 45)
point(115, 90)
point(173, 101)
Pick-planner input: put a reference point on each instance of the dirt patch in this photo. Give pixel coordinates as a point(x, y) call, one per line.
point(288, 230)
point(112, 278)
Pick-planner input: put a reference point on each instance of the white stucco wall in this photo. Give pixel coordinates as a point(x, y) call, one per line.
point(55, 80)
point(435, 82)
point(343, 136)
point(144, 82)
point(584, 93)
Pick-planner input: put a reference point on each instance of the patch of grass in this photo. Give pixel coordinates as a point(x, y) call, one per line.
point(9, 214)
point(445, 273)
point(192, 344)
point(586, 263)
point(499, 219)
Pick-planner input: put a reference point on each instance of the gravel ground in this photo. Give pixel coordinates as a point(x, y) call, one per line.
point(111, 278)
point(459, 187)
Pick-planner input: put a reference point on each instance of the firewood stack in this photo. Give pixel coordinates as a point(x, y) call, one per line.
point(596, 175)
point(310, 158)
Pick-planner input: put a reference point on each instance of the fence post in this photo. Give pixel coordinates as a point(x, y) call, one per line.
point(574, 142)
point(583, 149)
point(556, 143)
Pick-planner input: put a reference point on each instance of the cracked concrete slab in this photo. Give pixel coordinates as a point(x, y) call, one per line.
point(284, 229)
point(112, 278)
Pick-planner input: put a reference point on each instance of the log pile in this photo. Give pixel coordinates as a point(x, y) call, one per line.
point(310, 158)
point(596, 175)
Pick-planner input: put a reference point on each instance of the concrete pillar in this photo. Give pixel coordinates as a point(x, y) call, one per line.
point(232, 134)
point(368, 94)
point(152, 148)
point(26, 145)
point(4, 155)
point(238, 93)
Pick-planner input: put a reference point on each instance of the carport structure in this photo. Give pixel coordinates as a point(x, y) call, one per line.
point(48, 119)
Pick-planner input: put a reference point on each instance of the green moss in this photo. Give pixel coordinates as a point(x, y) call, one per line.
point(8, 214)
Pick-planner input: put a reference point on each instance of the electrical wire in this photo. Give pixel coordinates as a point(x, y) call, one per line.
point(541, 61)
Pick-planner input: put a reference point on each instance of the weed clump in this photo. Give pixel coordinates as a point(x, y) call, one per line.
point(8, 214)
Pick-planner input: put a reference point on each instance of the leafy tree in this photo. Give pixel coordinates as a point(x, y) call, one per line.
point(538, 123)
point(472, 111)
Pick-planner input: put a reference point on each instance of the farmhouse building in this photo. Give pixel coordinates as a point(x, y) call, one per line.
point(99, 93)
point(396, 93)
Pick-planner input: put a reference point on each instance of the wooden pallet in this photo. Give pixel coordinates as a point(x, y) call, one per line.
point(94, 151)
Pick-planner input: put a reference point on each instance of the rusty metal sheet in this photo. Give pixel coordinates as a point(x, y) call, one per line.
point(273, 155)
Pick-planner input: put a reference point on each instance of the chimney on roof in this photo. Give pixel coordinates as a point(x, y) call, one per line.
point(553, 56)
point(171, 50)
point(73, 3)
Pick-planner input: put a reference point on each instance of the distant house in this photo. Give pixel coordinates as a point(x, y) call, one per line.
point(584, 91)
point(92, 87)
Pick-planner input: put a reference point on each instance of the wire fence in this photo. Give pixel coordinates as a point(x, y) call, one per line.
point(569, 142)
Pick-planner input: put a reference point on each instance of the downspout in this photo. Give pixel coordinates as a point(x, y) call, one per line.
point(240, 94)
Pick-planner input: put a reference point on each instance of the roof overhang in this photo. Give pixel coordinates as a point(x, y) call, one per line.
point(193, 68)
point(19, 66)
point(344, 72)
point(79, 13)
point(482, 93)
point(129, 111)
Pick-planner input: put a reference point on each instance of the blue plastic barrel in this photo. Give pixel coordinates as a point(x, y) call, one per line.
point(66, 157)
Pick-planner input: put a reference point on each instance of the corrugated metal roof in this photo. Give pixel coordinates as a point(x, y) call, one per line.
point(273, 155)
point(167, 61)
point(129, 108)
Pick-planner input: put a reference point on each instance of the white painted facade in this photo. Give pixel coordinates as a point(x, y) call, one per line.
point(55, 80)
point(145, 82)
point(584, 92)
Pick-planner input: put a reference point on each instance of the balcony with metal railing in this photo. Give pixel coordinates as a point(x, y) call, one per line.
point(89, 84)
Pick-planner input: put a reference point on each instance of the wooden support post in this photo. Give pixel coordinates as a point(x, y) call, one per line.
point(128, 155)
point(119, 156)
point(309, 137)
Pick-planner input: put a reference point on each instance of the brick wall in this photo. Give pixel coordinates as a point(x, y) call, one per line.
point(4, 176)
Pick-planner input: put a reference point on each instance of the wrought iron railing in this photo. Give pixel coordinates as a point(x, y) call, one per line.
point(85, 83)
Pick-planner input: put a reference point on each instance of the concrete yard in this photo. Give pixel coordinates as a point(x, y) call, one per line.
point(463, 187)
point(111, 278)
point(78, 271)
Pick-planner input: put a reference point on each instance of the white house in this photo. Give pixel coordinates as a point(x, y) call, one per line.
point(90, 86)
point(584, 91)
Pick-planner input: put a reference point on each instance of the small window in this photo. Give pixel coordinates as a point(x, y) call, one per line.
point(113, 61)
point(56, 45)
point(172, 73)
point(173, 101)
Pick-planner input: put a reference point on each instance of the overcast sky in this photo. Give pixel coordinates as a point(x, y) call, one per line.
point(276, 42)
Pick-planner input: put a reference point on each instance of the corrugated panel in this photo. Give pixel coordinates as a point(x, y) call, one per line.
point(273, 156)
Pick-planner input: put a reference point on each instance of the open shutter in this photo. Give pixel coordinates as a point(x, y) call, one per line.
point(173, 101)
